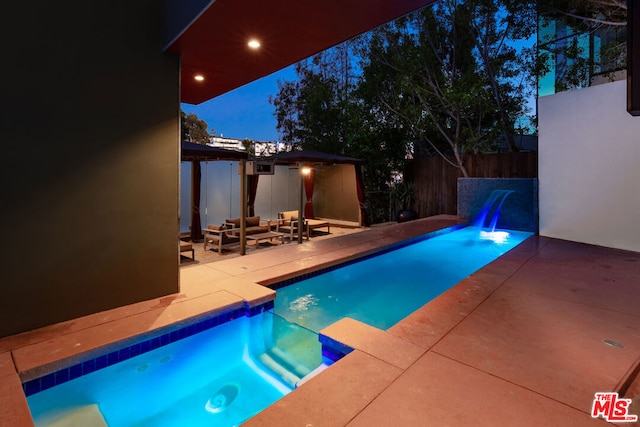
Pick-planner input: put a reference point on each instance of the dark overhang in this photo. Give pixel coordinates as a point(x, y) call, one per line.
point(211, 36)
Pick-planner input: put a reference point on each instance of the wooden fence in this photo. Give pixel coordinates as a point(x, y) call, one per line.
point(436, 181)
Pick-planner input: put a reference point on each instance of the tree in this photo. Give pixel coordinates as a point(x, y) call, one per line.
point(311, 110)
point(193, 129)
point(496, 27)
point(446, 80)
point(324, 110)
point(450, 73)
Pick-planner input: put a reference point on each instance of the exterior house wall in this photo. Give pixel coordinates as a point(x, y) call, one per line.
point(589, 151)
point(90, 159)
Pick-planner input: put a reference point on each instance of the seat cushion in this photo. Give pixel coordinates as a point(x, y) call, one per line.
point(234, 221)
point(253, 221)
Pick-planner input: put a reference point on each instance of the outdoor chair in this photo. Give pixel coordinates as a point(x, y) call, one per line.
point(312, 224)
point(220, 237)
point(285, 218)
point(287, 223)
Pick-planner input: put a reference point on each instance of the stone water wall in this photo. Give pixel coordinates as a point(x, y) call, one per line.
point(519, 210)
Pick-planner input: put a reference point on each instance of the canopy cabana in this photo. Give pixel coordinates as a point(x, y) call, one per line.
point(310, 158)
point(196, 153)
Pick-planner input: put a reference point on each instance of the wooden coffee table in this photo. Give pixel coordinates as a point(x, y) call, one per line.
point(263, 237)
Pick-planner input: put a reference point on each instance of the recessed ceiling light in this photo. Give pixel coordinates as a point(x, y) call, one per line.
point(253, 44)
point(199, 77)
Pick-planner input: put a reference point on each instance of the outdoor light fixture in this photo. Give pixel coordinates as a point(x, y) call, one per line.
point(199, 77)
point(253, 44)
point(306, 170)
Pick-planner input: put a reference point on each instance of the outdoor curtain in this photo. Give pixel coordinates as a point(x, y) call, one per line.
point(252, 190)
point(196, 178)
point(360, 191)
point(309, 181)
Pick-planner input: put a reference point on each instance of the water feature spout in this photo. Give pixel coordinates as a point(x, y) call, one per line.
point(492, 206)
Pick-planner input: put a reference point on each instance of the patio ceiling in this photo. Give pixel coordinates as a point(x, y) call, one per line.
point(211, 36)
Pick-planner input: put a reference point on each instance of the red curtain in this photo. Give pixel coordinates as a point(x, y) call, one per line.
point(196, 178)
point(252, 190)
point(360, 191)
point(309, 181)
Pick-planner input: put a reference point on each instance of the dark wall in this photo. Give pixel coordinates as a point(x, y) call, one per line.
point(89, 131)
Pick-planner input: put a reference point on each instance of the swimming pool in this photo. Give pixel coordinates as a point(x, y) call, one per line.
point(225, 374)
point(384, 289)
point(218, 377)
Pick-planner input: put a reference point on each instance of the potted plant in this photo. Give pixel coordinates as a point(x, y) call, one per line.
point(403, 195)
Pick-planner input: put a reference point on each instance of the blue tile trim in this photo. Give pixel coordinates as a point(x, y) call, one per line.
point(332, 349)
point(390, 248)
point(88, 366)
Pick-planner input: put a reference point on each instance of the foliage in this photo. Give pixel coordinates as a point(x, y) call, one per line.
point(446, 80)
point(323, 110)
point(193, 129)
point(250, 147)
point(403, 194)
point(449, 74)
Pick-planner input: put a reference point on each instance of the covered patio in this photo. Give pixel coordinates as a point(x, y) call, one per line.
point(333, 185)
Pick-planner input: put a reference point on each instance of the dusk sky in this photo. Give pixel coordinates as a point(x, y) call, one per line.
point(244, 112)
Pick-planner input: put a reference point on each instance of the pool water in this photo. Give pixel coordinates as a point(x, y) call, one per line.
point(218, 377)
point(384, 289)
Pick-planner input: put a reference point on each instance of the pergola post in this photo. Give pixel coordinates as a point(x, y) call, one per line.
point(243, 206)
point(301, 203)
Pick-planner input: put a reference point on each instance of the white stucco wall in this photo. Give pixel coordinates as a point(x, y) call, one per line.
point(589, 167)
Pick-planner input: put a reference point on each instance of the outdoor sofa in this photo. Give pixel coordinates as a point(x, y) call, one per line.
point(228, 234)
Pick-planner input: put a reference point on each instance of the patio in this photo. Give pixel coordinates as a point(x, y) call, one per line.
point(520, 342)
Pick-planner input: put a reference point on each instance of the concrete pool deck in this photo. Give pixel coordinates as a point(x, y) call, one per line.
point(519, 343)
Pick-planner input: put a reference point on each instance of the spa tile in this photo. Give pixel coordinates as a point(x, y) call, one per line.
point(551, 346)
point(374, 341)
point(439, 392)
point(333, 397)
point(38, 359)
point(14, 411)
point(427, 325)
